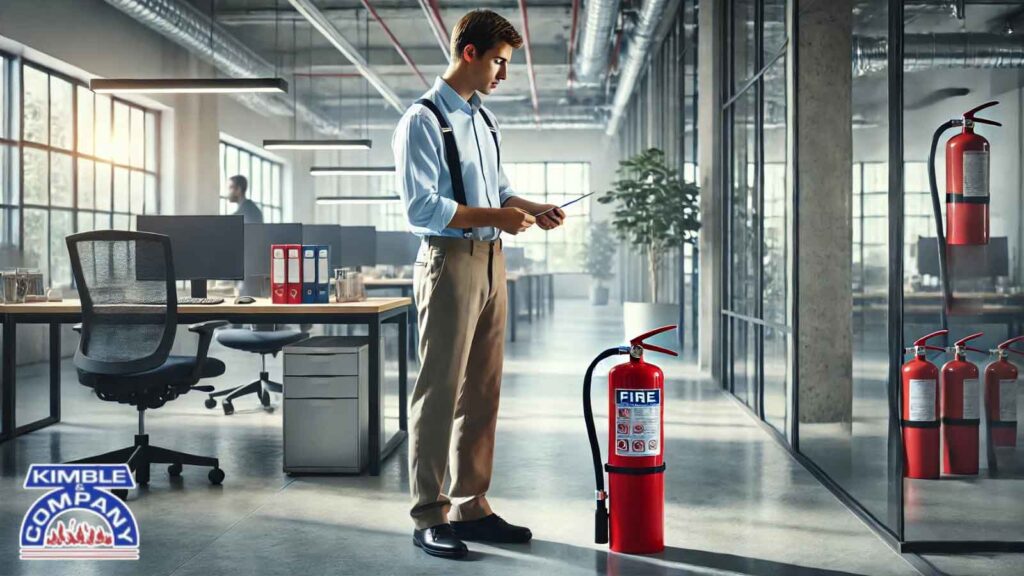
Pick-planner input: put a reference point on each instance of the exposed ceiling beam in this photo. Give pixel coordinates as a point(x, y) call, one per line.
point(394, 42)
point(529, 61)
point(433, 13)
point(328, 31)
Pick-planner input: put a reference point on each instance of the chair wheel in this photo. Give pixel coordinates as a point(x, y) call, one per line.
point(265, 398)
point(120, 493)
point(210, 403)
point(174, 469)
point(229, 408)
point(216, 476)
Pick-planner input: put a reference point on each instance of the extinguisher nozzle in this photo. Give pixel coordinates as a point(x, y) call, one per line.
point(601, 523)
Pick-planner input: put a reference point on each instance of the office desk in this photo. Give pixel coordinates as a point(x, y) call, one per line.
point(404, 285)
point(373, 313)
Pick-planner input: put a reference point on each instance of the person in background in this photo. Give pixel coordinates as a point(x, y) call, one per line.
point(238, 185)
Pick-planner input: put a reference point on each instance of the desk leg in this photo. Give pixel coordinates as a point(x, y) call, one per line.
point(8, 384)
point(375, 396)
point(529, 299)
point(513, 308)
point(403, 371)
point(55, 372)
point(411, 322)
point(551, 293)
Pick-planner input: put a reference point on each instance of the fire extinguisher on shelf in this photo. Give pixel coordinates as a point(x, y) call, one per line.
point(920, 411)
point(960, 413)
point(636, 466)
point(1001, 395)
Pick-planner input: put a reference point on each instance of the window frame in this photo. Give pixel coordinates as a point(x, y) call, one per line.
point(272, 213)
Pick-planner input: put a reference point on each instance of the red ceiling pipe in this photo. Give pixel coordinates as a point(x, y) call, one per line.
point(394, 41)
point(572, 43)
point(433, 12)
point(529, 62)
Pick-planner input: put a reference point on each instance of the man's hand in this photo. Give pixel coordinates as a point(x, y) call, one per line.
point(552, 219)
point(514, 220)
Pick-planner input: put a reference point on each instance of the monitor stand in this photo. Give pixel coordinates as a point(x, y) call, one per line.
point(198, 288)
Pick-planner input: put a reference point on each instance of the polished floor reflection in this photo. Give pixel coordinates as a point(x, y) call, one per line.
point(736, 502)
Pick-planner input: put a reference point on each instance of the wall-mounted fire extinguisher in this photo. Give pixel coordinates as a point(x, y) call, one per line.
point(967, 191)
point(920, 411)
point(1001, 395)
point(961, 415)
point(636, 463)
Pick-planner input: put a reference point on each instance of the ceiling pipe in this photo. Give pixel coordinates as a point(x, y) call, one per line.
point(193, 30)
point(394, 41)
point(948, 50)
point(635, 57)
point(591, 62)
point(330, 32)
point(529, 62)
point(572, 44)
point(433, 13)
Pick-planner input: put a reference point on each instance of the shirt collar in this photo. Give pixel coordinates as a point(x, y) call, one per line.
point(453, 101)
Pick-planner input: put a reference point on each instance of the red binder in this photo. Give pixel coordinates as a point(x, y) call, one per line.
point(294, 265)
point(278, 274)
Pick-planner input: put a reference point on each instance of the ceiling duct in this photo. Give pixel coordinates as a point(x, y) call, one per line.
point(948, 50)
point(185, 25)
point(635, 55)
point(595, 42)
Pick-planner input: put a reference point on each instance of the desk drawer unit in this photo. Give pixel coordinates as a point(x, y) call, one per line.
point(326, 405)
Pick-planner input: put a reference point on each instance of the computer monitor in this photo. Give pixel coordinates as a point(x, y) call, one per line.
point(203, 247)
point(327, 235)
point(397, 248)
point(359, 246)
point(989, 260)
point(259, 238)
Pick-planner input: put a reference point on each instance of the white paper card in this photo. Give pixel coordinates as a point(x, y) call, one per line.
point(975, 173)
point(1008, 400)
point(922, 400)
point(971, 399)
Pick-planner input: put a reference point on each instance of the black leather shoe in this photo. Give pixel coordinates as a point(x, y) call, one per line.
point(492, 529)
point(439, 541)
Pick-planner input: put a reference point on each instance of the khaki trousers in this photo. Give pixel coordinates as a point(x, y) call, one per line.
point(461, 300)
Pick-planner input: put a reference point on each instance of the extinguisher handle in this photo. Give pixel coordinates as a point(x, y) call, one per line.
point(922, 340)
point(973, 349)
point(934, 348)
point(1015, 351)
point(963, 341)
point(1006, 345)
point(969, 115)
point(639, 340)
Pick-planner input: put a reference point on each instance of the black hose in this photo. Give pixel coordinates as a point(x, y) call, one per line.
point(947, 294)
point(601, 515)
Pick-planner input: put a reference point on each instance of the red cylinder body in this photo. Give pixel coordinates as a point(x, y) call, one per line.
point(920, 418)
point(967, 188)
point(960, 416)
point(1001, 401)
point(635, 440)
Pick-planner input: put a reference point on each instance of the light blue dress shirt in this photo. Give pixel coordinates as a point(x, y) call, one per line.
point(424, 181)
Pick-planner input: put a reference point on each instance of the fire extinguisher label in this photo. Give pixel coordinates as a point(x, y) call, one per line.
point(975, 173)
point(637, 422)
point(1008, 400)
point(971, 411)
point(922, 401)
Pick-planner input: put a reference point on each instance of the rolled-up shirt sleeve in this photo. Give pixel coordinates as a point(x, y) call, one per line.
point(505, 190)
point(415, 143)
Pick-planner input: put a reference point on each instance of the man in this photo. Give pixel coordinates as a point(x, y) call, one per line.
point(460, 285)
point(238, 185)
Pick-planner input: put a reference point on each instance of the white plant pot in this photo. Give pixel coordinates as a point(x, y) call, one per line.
point(640, 317)
point(598, 294)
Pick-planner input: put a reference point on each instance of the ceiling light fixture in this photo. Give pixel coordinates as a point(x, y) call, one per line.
point(351, 170)
point(317, 144)
point(187, 85)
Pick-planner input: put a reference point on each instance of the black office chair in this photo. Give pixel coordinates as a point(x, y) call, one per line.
point(260, 342)
point(126, 284)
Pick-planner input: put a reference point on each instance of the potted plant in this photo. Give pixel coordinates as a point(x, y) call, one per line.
point(597, 259)
point(655, 211)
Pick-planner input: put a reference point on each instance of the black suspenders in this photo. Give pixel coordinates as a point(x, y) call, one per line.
point(451, 152)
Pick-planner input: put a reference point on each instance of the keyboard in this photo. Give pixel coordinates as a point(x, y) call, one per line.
point(188, 300)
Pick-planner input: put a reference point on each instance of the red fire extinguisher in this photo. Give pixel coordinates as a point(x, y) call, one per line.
point(920, 412)
point(960, 413)
point(967, 182)
point(636, 463)
point(1001, 395)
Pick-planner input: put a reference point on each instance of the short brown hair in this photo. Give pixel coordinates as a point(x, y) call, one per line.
point(483, 29)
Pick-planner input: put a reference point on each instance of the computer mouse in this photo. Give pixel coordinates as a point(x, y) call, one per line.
point(244, 300)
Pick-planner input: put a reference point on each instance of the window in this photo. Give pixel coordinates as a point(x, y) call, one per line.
point(263, 174)
point(560, 249)
point(82, 166)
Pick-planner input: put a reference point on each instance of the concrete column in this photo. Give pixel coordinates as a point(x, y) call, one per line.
point(823, 144)
point(709, 148)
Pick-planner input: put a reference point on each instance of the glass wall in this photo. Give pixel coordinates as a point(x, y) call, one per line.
point(87, 162)
point(263, 174)
point(755, 319)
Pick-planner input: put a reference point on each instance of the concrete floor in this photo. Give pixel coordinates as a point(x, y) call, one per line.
point(736, 502)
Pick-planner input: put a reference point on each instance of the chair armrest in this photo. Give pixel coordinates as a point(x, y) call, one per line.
point(208, 326)
point(205, 331)
point(77, 327)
